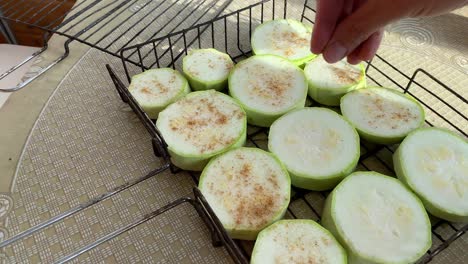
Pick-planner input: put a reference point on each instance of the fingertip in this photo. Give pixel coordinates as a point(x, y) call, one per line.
point(318, 40)
point(356, 29)
point(327, 17)
point(315, 48)
point(335, 52)
point(371, 45)
point(368, 56)
point(354, 60)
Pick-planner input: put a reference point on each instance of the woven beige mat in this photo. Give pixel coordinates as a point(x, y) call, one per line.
point(86, 141)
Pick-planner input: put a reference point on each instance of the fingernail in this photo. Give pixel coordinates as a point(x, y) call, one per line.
point(335, 52)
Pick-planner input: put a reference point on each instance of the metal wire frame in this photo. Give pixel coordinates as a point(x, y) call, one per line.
point(199, 203)
point(179, 43)
point(182, 39)
point(89, 22)
point(39, 73)
point(203, 35)
point(219, 236)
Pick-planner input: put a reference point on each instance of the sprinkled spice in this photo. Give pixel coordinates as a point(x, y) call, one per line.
point(246, 170)
point(346, 76)
point(288, 42)
point(249, 200)
point(146, 90)
point(271, 86)
point(272, 179)
point(173, 78)
point(199, 120)
point(217, 63)
point(256, 212)
point(157, 88)
point(390, 115)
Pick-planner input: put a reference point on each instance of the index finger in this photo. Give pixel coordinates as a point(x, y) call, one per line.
point(328, 14)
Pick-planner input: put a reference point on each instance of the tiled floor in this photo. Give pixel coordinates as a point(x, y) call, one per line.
point(11, 55)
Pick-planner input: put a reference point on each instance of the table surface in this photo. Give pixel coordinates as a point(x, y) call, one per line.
point(67, 138)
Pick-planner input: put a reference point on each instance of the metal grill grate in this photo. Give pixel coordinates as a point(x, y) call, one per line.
point(109, 26)
point(231, 33)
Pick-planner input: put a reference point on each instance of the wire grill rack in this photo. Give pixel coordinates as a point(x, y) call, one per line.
point(231, 33)
point(109, 26)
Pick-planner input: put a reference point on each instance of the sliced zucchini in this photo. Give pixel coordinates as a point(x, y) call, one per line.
point(267, 86)
point(329, 82)
point(207, 69)
point(297, 241)
point(287, 38)
point(382, 115)
point(433, 162)
point(155, 89)
point(248, 189)
point(317, 145)
point(201, 125)
point(377, 219)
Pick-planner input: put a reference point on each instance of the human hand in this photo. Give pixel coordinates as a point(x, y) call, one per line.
point(354, 28)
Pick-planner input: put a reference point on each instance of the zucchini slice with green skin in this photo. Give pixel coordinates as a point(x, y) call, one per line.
point(248, 189)
point(382, 115)
point(329, 82)
point(207, 69)
point(155, 89)
point(297, 241)
point(377, 219)
point(267, 86)
point(317, 145)
point(287, 38)
point(201, 125)
point(433, 162)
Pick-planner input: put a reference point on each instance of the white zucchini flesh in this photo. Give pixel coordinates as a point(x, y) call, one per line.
point(382, 115)
point(433, 162)
point(207, 69)
point(297, 241)
point(329, 82)
point(248, 189)
point(318, 146)
point(267, 86)
point(377, 219)
point(155, 89)
point(287, 38)
point(201, 125)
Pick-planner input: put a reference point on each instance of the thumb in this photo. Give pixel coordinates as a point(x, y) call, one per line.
point(360, 25)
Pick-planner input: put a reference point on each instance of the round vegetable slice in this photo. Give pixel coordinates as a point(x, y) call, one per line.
point(297, 241)
point(329, 82)
point(377, 219)
point(207, 69)
point(155, 89)
point(433, 162)
point(287, 38)
point(318, 146)
point(201, 125)
point(267, 86)
point(382, 115)
point(248, 189)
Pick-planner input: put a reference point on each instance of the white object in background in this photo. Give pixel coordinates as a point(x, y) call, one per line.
point(10, 56)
